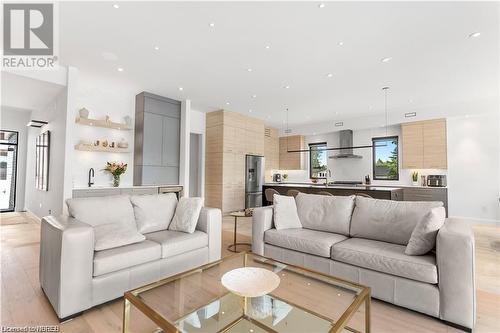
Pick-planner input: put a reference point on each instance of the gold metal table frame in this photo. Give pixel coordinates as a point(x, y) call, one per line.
point(364, 296)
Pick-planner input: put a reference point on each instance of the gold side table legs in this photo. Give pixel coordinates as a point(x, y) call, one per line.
point(232, 247)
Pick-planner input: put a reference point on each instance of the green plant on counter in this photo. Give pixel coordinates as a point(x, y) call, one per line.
point(414, 176)
point(285, 176)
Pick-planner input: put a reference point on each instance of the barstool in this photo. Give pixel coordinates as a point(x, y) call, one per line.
point(363, 195)
point(325, 193)
point(269, 194)
point(292, 193)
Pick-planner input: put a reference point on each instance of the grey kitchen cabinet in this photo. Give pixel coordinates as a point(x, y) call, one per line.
point(157, 140)
point(102, 192)
point(427, 194)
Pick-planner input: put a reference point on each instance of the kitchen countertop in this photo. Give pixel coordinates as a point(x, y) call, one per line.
point(358, 186)
point(340, 187)
point(107, 187)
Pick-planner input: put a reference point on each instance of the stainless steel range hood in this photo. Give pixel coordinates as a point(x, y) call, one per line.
point(345, 143)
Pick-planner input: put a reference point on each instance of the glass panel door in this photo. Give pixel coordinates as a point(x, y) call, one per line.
point(8, 170)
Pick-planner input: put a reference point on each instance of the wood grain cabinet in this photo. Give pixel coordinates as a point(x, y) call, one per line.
point(271, 151)
point(287, 160)
point(229, 137)
point(424, 145)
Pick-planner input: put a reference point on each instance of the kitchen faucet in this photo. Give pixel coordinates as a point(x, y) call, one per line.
point(91, 174)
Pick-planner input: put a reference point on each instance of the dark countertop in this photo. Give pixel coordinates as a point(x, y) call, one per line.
point(337, 187)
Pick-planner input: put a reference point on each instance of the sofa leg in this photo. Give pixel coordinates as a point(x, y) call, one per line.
point(68, 318)
point(460, 327)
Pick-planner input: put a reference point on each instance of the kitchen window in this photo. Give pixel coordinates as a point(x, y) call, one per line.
point(318, 158)
point(385, 158)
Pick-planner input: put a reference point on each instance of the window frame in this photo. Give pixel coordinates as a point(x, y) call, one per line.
point(374, 139)
point(310, 164)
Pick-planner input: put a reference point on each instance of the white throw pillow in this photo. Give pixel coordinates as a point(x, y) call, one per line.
point(153, 212)
point(108, 236)
point(423, 237)
point(186, 215)
point(285, 213)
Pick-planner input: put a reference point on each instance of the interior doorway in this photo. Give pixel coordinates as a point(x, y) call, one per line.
point(8, 170)
point(195, 165)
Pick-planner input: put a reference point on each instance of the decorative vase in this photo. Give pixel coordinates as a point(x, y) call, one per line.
point(116, 180)
point(415, 183)
point(84, 113)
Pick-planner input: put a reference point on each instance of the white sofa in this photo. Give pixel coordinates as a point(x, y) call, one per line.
point(363, 240)
point(75, 277)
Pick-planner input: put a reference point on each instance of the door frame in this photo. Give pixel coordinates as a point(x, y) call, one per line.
point(15, 170)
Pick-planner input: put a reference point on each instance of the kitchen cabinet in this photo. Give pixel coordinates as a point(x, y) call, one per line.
point(287, 160)
point(271, 152)
point(229, 137)
point(424, 145)
point(426, 194)
point(157, 140)
point(133, 190)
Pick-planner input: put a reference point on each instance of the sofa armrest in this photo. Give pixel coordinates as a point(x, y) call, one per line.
point(210, 221)
point(455, 259)
point(262, 220)
point(66, 264)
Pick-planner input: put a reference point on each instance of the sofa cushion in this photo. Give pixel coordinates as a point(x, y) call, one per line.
point(186, 215)
point(423, 237)
point(285, 212)
point(386, 258)
point(153, 212)
point(113, 260)
point(325, 212)
point(304, 240)
point(388, 220)
point(108, 236)
point(102, 210)
point(176, 242)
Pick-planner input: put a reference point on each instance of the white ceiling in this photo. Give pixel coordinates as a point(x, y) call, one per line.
point(24, 93)
point(433, 60)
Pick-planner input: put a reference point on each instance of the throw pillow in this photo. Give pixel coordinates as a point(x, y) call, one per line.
point(153, 212)
point(108, 236)
point(285, 213)
point(186, 215)
point(423, 237)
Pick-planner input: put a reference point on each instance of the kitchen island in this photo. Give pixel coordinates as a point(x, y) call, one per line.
point(377, 192)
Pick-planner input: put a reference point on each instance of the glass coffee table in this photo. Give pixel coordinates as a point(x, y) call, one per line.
point(196, 301)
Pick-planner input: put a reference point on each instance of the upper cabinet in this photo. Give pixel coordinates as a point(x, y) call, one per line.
point(424, 144)
point(157, 140)
point(271, 151)
point(287, 160)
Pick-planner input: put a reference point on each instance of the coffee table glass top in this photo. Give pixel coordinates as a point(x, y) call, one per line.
point(196, 301)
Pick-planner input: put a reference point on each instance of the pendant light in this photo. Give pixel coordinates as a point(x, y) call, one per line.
point(385, 90)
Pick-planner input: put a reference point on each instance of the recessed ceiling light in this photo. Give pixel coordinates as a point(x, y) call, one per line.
point(181, 89)
point(410, 101)
point(250, 110)
point(329, 75)
point(321, 5)
point(386, 59)
point(341, 43)
point(227, 103)
point(370, 107)
point(336, 112)
point(268, 47)
point(254, 96)
point(119, 69)
point(268, 117)
point(286, 87)
point(212, 24)
point(475, 34)
point(249, 69)
point(157, 47)
point(116, 6)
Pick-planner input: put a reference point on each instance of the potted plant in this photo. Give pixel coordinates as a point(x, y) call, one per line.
point(116, 169)
point(285, 176)
point(414, 178)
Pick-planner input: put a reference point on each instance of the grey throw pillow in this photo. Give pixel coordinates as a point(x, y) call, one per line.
point(111, 235)
point(186, 215)
point(153, 212)
point(285, 213)
point(423, 237)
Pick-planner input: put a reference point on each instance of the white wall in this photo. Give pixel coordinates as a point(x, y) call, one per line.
point(474, 168)
point(112, 96)
point(39, 202)
point(197, 126)
point(15, 120)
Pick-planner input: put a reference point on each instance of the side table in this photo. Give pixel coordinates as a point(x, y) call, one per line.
point(241, 213)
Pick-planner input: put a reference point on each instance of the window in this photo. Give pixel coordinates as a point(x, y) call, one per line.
point(317, 160)
point(385, 158)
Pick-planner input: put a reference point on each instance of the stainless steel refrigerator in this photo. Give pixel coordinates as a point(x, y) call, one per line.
point(254, 180)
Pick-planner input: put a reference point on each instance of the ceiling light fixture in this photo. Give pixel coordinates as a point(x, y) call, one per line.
point(249, 69)
point(341, 43)
point(254, 96)
point(36, 123)
point(181, 89)
point(475, 34)
point(250, 110)
point(212, 25)
point(385, 90)
point(157, 47)
point(119, 69)
point(268, 47)
point(386, 59)
point(227, 103)
point(321, 5)
point(116, 6)
point(286, 87)
point(329, 75)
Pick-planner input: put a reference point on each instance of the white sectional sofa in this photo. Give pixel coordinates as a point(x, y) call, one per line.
point(363, 240)
point(76, 277)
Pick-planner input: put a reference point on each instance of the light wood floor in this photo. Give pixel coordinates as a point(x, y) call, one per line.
point(23, 302)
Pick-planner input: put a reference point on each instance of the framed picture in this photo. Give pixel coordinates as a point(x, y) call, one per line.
point(42, 161)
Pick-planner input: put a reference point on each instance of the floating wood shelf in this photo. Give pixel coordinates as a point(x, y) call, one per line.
point(103, 123)
point(101, 149)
